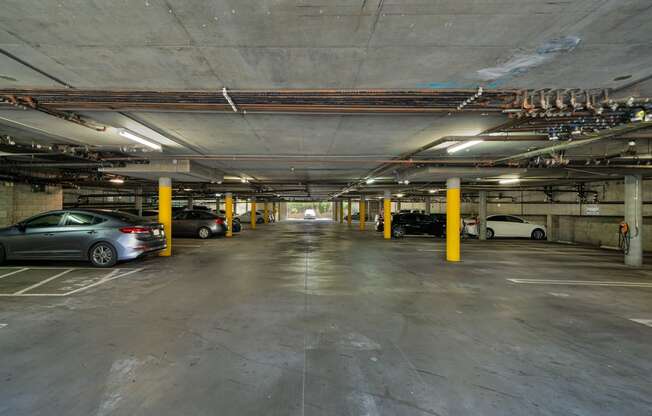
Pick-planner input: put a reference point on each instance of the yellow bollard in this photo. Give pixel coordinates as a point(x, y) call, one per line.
point(363, 211)
point(228, 209)
point(265, 213)
point(165, 212)
point(253, 214)
point(453, 219)
point(387, 216)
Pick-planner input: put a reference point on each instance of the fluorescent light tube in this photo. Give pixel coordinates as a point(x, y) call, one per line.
point(463, 145)
point(138, 139)
point(508, 181)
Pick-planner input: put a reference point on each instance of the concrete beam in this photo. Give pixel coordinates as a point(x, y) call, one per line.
point(178, 170)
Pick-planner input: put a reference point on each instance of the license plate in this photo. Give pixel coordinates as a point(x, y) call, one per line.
point(156, 232)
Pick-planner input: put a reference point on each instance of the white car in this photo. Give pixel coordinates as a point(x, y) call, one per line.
point(507, 226)
point(309, 214)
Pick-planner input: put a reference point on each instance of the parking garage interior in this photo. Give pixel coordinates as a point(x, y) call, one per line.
point(427, 208)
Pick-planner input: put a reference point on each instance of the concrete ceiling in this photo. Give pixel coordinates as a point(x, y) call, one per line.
point(271, 44)
point(261, 44)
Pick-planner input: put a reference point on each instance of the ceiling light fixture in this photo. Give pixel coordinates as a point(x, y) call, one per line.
point(117, 180)
point(463, 145)
point(432, 191)
point(129, 135)
point(370, 181)
point(226, 95)
point(508, 181)
point(400, 195)
point(243, 180)
point(444, 145)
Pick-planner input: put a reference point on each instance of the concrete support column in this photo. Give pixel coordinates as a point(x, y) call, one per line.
point(348, 207)
point(482, 215)
point(427, 205)
point(387, 215)
point(634, 219)
point(453, 219)
point(138, 199)
point(228, 209)
point(253, 213)
point(362, 208)
point(266, 212)
point(165, 212)
point(398, 206)
point(191, 202)
point(341, 208)
point(552, 228)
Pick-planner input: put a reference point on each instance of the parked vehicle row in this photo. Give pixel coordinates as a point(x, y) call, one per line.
point(415, 223)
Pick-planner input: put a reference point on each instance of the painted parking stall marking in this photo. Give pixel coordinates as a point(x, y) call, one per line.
point(646, 322)
point(580, 282)
point(53, 281)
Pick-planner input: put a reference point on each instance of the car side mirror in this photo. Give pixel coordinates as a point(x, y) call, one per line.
point(21, 226)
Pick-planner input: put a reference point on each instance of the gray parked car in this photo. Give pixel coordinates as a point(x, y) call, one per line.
point(197, 223)
point(102, 237)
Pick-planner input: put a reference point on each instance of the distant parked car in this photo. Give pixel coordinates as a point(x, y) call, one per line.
point(309, 214)
point(507, 226)
point(197, 223)
point(411, 223)
point(246, 217)
point(102, 237)
point(146, 213)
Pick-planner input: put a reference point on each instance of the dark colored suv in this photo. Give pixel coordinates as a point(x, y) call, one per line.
point(413, 223)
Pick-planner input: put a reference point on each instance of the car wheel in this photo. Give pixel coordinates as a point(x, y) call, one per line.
point(103, 255)
point(398, 232)
point(490, 233)
point(260, 221)
point(538, 234)
point(204, 233)
point(3, 254)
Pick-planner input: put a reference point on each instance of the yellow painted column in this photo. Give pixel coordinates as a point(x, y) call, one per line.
point(341, 212)
point(265, 213)
point(387, 215)
point(228, 209)
point(165, 212)
point(362, 208)
point(253, 214)
point(348, 207)
point(453, 219)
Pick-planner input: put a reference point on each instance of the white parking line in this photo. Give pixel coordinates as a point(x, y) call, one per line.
point(42, 282)
point(107, 278)
point(14, 272)
point(579, 282)
point(646, 322)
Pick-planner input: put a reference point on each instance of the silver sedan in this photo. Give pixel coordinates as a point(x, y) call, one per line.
point(100, 236)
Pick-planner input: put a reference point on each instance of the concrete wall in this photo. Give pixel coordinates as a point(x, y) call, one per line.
point(19, 201)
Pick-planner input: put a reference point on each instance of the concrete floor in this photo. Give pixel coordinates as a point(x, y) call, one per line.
point(316, 319)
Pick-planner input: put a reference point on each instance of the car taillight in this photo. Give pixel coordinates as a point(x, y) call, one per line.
point(134, 230)
point(219, 221)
